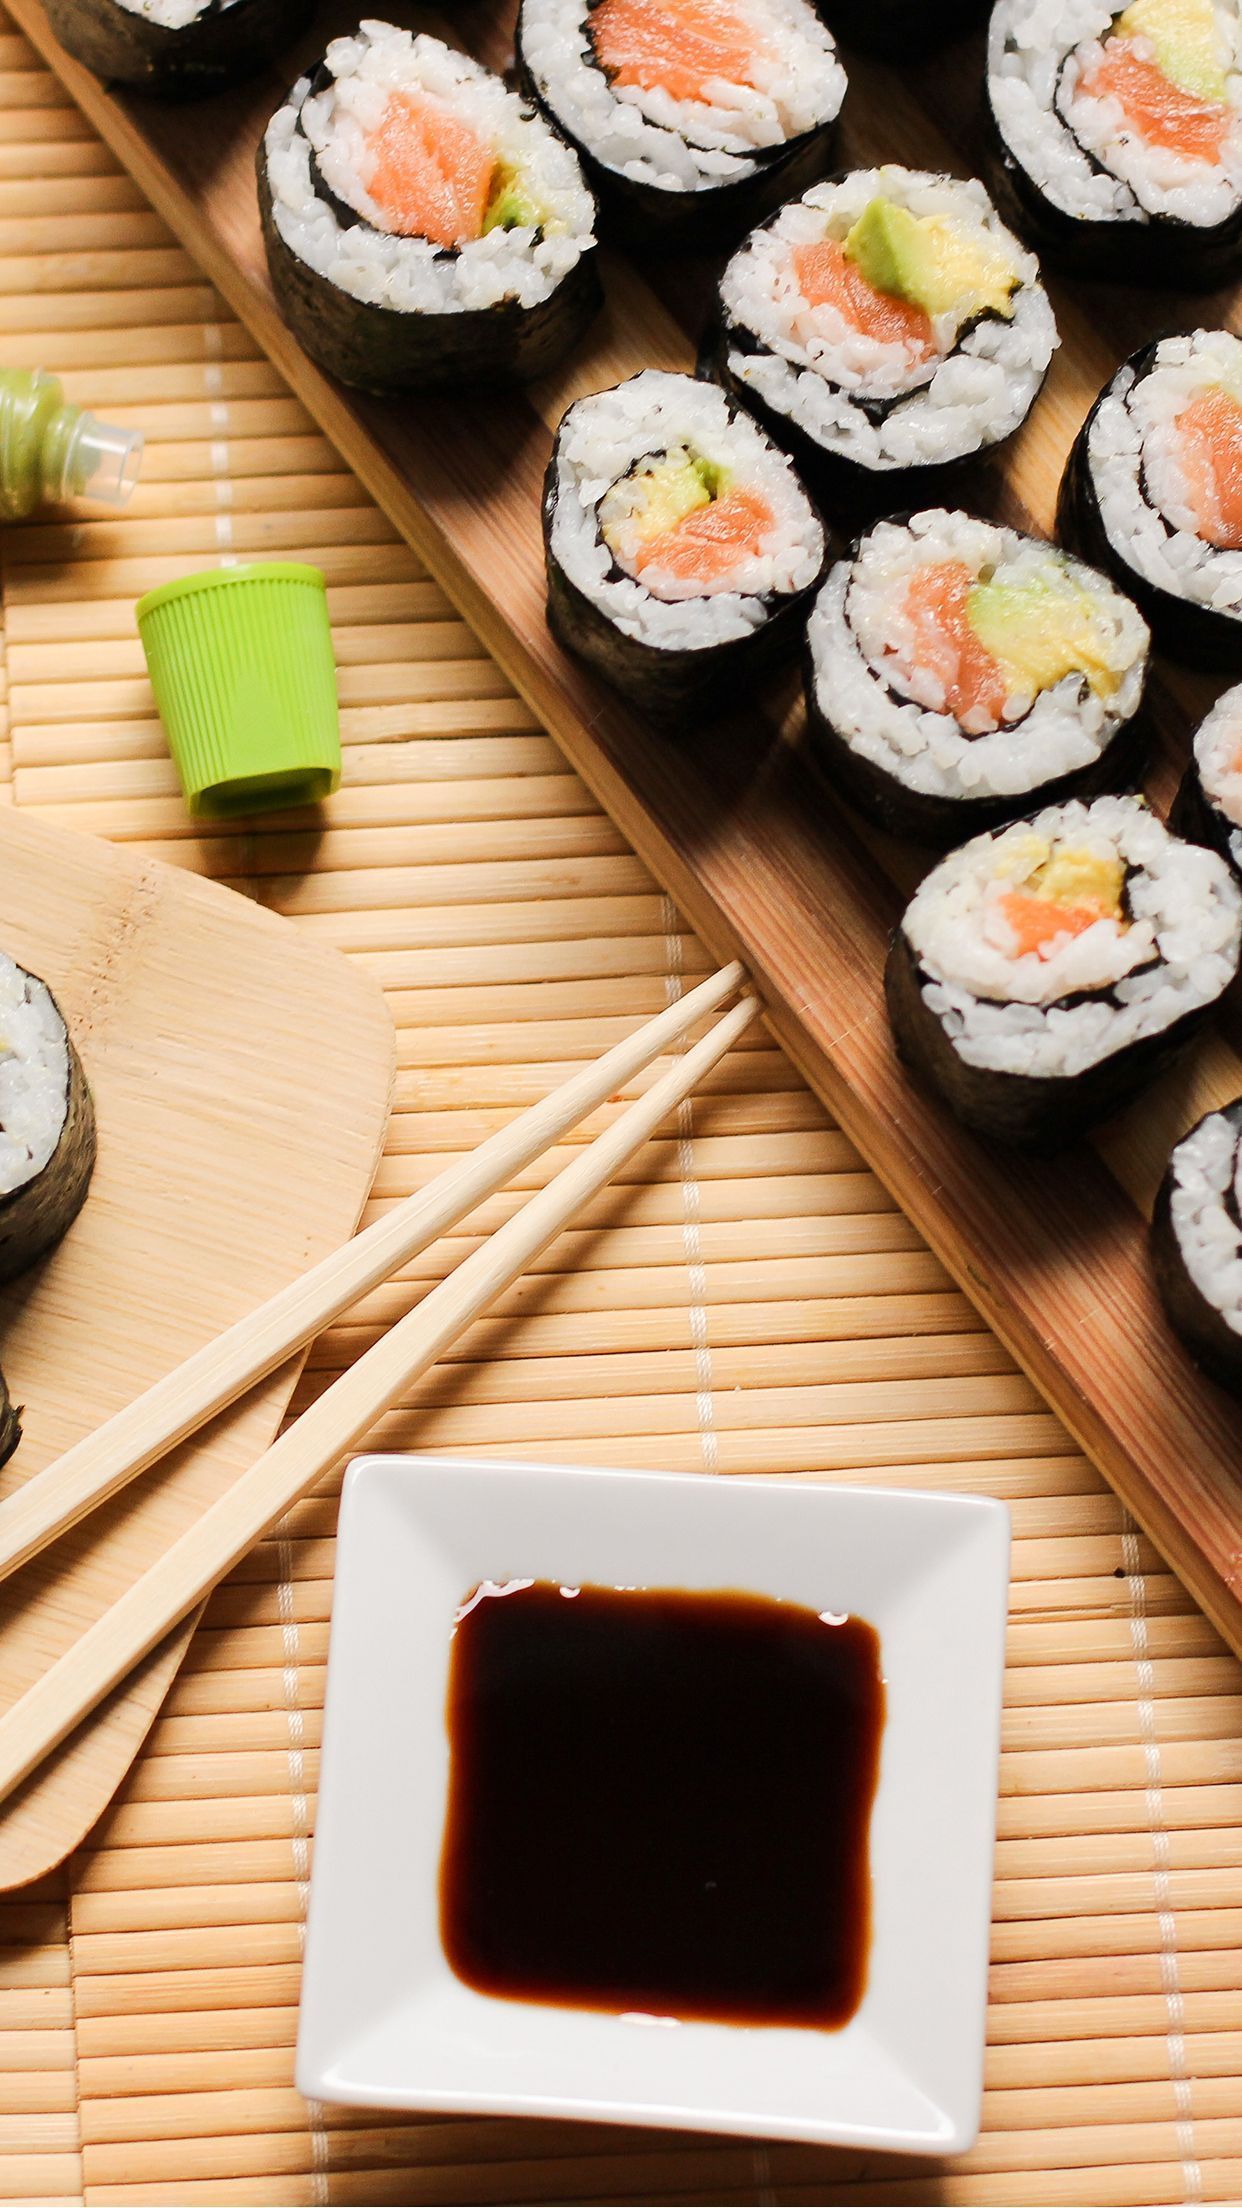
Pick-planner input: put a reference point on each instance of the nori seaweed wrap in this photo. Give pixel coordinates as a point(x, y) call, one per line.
point(1042, 975)
point(1208, 805)
point(177, 49)
point(1072, 91)
point(902, 30)
point(1196, 1242)
point(959, 673)
point(681, 548)
point(1146, 492)
point(423, 225)
point(10, 1424)
point(887, 330)
point(691, 123)
point(47, 1122)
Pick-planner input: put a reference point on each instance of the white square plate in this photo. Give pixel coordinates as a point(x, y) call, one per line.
point(385, 2023)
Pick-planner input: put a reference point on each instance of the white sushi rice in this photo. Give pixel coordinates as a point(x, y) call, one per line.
point(815, 367)
point(686, 145)
point(1132, 456)
point(1205, 1199)
point(173, 15)
point(891, 709)
point(1004, 1010)
point(1078, 150)
point(1218, 757)
point(410, 274)
point(34, 1075)
point(600, 440)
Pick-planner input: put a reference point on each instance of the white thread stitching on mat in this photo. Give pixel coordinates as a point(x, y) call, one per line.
point(299, 1811)
point(1170, 1967)
point(221, 422)
point(691, 1214)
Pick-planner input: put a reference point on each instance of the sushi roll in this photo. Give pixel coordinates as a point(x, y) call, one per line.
point(423, 225)
point(1116, 135)
point(1152, 491)
point(47, 1121)
point(1042, 974)
point(959, 673)
point(10, 1424)
point(681, 548)
point(1196, 1239)
point(1208, 806)
point(902, 30)
point(693, 118)
point(177, 49)
point(881, 326)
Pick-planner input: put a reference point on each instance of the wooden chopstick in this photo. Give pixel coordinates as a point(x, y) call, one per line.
point(162, 1595)
point(183, 1400)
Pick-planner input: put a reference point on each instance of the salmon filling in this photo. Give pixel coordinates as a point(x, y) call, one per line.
point(827, 277)
point(1210, 452)
point(1064, 897)
point(1163, 113)
point(433, 176)
point(937, 607)
point(686, 50)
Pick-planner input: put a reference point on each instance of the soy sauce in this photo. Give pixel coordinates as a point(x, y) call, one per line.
point(659, 1802)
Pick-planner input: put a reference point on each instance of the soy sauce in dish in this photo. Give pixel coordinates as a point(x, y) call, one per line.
point(659, 1802)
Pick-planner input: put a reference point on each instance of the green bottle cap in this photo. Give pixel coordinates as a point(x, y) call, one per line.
point(242, 668)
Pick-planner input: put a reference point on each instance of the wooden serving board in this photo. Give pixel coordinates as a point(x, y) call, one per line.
point(241, 1078)
point(735, 822)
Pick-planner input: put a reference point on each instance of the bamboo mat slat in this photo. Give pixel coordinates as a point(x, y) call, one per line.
point(747, 1299)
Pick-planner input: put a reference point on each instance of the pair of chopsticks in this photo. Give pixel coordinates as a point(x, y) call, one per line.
point(95, 1468)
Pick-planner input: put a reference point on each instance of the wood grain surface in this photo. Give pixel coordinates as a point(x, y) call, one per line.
point(241, 1079)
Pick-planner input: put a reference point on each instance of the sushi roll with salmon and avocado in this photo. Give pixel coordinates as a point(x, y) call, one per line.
point(1043, 974)
point(693, 118)
point(1208, 806)
point(177, 49)
point(1117, 135)
point(423, 225)
point(881, 327)
point(959, 673)
point(1152, 491)
point(681, 548)
point(1196, 1235)
point(47, 1122)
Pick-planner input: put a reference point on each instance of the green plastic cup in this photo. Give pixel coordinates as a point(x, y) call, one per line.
point(242, 668)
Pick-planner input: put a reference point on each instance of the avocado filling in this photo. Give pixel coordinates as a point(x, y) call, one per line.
point(933, 263)
point(510, 206)
point(1057, 893)
point(1183, 39)
point(1039, 630)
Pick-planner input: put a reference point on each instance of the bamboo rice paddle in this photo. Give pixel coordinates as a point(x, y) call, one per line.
point(332, 1426)
point(177, 1405)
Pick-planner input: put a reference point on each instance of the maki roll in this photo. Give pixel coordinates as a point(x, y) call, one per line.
point(1117, 135)
point(178, 49)
point(902, 30)
point(1152, 491)
point(1042, 974)
point(884, 324)
point(959, 673)
point(10, 1424)
point(1196, 1234)
point(47, 1121)
point(681, 548)
point(1208, 806)
point(693, 118)
point(423, 225)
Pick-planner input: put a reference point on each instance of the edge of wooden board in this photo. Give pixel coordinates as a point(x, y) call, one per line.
point(1054, 1257)
point(130, 911)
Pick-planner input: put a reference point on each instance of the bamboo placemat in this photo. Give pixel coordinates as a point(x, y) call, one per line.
point(749, 1300)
